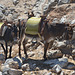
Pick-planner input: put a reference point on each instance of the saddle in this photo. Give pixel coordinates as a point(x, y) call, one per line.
point(32, 25)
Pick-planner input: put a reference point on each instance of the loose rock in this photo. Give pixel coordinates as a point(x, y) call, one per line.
point(57, 69)
point(15, 72)
point(14, 65)
point(62, 73)
point(0, 73)
point(71, 66)
point(17, 61)
point(73, 73)
point(25, 67)
point(15, 2)
point(5, 68)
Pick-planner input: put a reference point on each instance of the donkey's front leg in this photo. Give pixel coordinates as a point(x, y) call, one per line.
point(45, 50)
point(10, 51)
point(25, 51)
point(6, 50)
point(20, 49)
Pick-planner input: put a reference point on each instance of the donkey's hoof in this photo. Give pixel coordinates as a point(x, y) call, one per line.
point(45, 59)
point(26, 56)
point(10, 57)
point(20, 56)
point(5, 58)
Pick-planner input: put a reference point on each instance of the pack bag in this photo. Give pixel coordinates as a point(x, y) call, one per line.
point(1, 23)
point(1, 28)
point(32, 25)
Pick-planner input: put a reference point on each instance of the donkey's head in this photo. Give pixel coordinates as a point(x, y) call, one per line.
point(10, 31)
point(14, 31)
point(30, 14)
point(68, 32)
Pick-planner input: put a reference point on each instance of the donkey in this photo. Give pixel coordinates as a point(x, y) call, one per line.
point(9, 36)
point(49, 32)
point(21, 25)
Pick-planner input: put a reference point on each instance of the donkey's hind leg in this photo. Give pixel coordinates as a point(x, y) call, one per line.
point(3, 48)
point(45, 50)
point(10, 51)
point(46, 46)
point(25, 51)
point(6, 52)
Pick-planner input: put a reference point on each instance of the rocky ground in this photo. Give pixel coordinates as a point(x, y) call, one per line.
point(57, 63)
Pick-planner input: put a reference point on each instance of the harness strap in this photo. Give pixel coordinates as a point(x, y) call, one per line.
point(42, 30)
point(43, 26)
point(39, 36)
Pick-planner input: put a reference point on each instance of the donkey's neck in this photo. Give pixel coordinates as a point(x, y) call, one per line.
point(1, 38)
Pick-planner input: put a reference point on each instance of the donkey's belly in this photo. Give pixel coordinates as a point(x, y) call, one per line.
point(2, 42)
point(48, 40)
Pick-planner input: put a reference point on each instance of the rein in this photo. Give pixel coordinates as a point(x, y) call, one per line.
point(42, 27)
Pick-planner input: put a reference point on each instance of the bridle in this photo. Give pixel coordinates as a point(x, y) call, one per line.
point(44, 23)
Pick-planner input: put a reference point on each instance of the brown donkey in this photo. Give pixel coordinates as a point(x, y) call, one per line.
point(49, 32)
point(9, 36)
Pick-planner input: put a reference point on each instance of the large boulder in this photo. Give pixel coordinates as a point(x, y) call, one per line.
point(15, 72)
point(64, 46)
point(59, 44)
point(5, 69)
point(71, 66)
point(16, 61)
point(62, 62)
point(53, 54)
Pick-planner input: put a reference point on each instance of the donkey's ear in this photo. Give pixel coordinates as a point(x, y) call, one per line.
point(5, 22)
point(28, 12)
point(18, 20)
